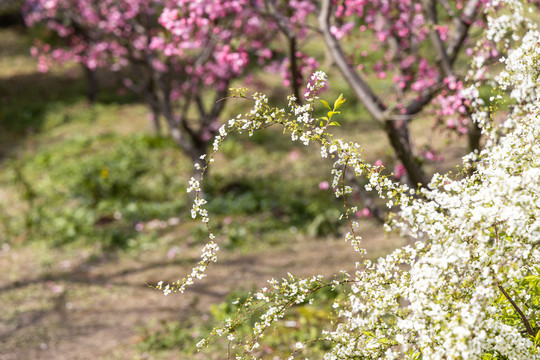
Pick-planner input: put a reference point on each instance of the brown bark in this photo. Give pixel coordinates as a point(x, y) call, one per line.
point(92, 85)
point(396, 130)
point(295, 74)
point(474, 135)
point(399, 137)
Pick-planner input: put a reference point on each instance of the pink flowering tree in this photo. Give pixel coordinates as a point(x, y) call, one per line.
point(420, 43)
point(415, 50)
point(182, 52)
point(179, 55)
point(416, 45)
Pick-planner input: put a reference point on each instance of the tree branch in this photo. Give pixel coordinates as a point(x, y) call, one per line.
point(462, 30)
point(443, 60)
point(219, 102)
point(360, 87)
point(286, 28)
point(462, 25)
point(200, 106)
point(530, 331)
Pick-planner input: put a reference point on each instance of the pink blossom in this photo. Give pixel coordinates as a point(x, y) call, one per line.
point(399, 171)
point(430, 155)
point(365, 212)
point(443, 31)
point(294, 155)
point(139, 227)
point(324, 185)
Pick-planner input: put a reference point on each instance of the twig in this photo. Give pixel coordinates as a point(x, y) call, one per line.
point(521, 314)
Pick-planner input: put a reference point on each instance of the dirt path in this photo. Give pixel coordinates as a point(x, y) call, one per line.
point(92, 309)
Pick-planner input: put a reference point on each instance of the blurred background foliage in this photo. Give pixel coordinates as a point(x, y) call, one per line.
point(87, 174)
point(84, 177)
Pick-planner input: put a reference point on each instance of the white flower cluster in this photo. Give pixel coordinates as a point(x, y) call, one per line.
point(522, 72)
point(458, 292)
point(507, 21)
point(298, 121)
point(478, 238)
point(478, 235)
point(273, 302)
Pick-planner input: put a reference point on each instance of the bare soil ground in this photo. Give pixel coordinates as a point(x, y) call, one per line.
point(72, 306)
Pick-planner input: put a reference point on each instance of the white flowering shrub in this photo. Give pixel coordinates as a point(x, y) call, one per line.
point(469, 286)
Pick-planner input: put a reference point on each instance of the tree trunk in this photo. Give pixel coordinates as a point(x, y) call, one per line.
point(92, 85)
point(295, 74)
point(474, 136)
point(399, 136)
point(155, 122)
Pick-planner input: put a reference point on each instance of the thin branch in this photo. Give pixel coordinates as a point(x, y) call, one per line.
point(448, 8)
point(443, 60)
point(456, 43)
point(463, 25)
point(530, 331)
point(219, 104)
point(287, 29)
point(200, 105)
point(283, 22)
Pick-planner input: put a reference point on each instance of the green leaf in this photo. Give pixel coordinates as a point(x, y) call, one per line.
point(322, 123)
point(334, 123)
point(332, 113)
point(339, 101)
point(326, 105)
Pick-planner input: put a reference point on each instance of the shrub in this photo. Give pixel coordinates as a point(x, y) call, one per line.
point(467, 287)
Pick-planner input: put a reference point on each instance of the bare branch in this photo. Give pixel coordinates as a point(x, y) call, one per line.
point(443, 59)
point(530, 331)
point(360, 87)
point(280, 20)
point(200, 105)
point(283, 22)
point(219, 104)
point(448, 8)
point(462, 29)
